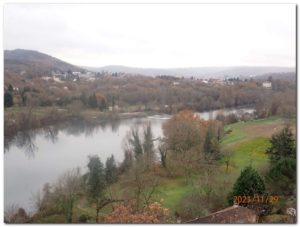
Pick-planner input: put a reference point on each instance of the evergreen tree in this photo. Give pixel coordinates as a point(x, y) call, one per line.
point(8, 100)
point(128, 160)
point(93, 101)
point(83, 99)
point(220, 133)
point(10, 88)
point(282, 145)
point(135, 142)
point(113, 102)
point(211, 145)
point(249, 183)
point(282, 176)
point(208, 146)
point(111, 170)
point(102, 104)
point(96, 179)
point(96, 184)
point(148, 146)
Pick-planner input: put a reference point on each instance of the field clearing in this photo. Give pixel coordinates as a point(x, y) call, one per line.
point(250, 152)
point(248, 141)
point(243, 131)
point(171, 191)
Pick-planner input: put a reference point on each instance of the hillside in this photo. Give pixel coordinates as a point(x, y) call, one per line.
point(288, 76)
point(34, 63)
point(198, 72)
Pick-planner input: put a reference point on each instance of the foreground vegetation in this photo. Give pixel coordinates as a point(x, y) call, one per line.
point(193, 178)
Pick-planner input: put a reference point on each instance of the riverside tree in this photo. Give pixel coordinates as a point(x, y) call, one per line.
point(191, 143)
point(183, 139)
point(134, 141)
point(93, 101)
point(96, 182)
point(141, 146)
point(66, 191)
point(148, 146)
point(111, 169)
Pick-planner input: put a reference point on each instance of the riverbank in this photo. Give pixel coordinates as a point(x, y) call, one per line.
point(18, 119)
point(248, 142)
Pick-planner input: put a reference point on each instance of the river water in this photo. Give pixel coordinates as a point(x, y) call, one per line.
point(37, 157)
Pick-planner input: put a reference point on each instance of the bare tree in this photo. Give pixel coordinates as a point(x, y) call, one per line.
point(66, 191)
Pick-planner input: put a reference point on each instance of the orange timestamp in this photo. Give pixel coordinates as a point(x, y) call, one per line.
point(244, 199)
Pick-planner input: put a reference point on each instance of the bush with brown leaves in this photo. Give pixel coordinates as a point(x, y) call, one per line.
point(152, 214)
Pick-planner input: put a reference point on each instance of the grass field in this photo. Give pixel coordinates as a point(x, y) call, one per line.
point(251, 152)
point(248, 141)
point(171, 191)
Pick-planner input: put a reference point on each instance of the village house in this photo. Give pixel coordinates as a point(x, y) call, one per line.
point(219, 82)
point(267, 84)
point(76, 73)
point(23, 72)
point(231, 215)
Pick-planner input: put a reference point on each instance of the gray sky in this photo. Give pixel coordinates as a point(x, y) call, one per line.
point(155, 35)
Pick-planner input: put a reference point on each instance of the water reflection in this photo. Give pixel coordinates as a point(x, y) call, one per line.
point(61, 147)
point(51, 133)
point(25, 140)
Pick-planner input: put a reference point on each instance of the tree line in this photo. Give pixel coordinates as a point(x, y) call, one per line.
point(147, 93)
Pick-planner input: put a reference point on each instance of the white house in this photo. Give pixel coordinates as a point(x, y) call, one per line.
point(267, 84)
point(76, 73)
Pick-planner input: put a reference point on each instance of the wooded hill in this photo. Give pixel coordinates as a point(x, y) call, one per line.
point(34, 63)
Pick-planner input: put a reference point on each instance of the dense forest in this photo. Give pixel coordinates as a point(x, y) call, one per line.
point(162, 93)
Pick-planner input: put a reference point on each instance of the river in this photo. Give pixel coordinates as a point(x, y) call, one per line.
point(37, 157)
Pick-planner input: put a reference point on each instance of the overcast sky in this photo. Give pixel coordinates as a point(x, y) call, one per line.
point(154, 35)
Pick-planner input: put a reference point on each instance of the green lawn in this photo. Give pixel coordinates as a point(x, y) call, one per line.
point(248, 141)
point(247, 130)
point(251, 152)
point(171, 192)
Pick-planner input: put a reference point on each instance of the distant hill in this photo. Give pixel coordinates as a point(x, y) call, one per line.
point(34, 63)
point(198, 72)
point(287, 76)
